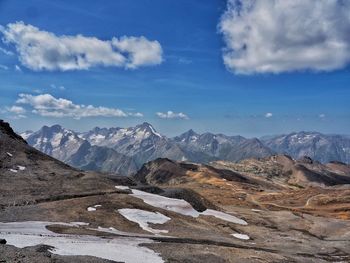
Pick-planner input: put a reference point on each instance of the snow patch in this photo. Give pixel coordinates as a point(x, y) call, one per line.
point(9, 154)
point(143, 218)
point(241, 236)
point(13, 170)
point(91, 209)
point(182, 207)
point(224, 216)
point(171, 204)
point(154, 132)
point(21, 168)
point(120, 249)
point(122, 187)
point(256, 210)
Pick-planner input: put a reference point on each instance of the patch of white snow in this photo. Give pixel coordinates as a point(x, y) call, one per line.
point(241, 236)
point(171, 204)
point(224, 216)
point(143, 217)
point(120, 249)
point(122, 187)
point(21, 168)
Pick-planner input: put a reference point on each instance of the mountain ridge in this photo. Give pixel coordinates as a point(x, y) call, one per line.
point(133, 146)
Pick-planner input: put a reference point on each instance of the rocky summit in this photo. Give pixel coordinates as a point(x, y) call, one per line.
point(271, 209)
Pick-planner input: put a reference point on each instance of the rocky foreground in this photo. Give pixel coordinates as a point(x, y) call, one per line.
point(268, 210)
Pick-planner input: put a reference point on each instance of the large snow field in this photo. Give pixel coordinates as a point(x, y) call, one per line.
point(125, 249)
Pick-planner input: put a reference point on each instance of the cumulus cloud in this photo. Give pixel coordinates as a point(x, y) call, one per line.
point(14, 112)
point(49, 106)
point(41, 50)
point(172, 115)
point(268, 115)
point(16, 109)
point(274, 36)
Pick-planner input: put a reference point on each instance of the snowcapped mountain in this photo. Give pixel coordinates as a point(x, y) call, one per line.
point(320, 147)
point(221, 147)
point(125, 150)
point(116, 150)
point(123, 138)
point(56, 141)
point(141, 142)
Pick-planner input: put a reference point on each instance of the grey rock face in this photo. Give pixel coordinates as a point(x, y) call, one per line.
point(102, 159)
point(207, 147)
point(55, 141)
point(320, 147)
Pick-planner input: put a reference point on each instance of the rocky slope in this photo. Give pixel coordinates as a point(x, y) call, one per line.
point(28, 176)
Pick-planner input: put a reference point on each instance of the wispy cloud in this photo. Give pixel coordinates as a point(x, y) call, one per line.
point(53, 86)
point(268, 115)
point(6, 52)
point(172, 115)
point(49, 106)
point(18, 68)
point(4, 67)
point(273, 36)
point(41, 50)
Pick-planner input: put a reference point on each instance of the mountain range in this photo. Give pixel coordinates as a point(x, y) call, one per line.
point(272, 209)
point(124, 150)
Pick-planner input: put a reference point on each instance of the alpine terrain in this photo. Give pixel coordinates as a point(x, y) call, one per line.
point(272, 209)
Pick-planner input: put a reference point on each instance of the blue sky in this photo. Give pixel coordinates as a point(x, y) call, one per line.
point(191, 79)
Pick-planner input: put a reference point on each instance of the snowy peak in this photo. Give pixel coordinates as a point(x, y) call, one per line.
point(55, 141)
point(147, 128)
point(186, 137)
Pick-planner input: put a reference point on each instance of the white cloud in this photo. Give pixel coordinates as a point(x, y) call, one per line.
point(41, 50)
point(53, 86)
point(273, 36)
point(18, 68)
point(172, 115)
point(322, 115)
point(5, 51)
point(268, 115)
point(16, 110)
point(4, 67)
point(137, 114)
point(49, 106)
